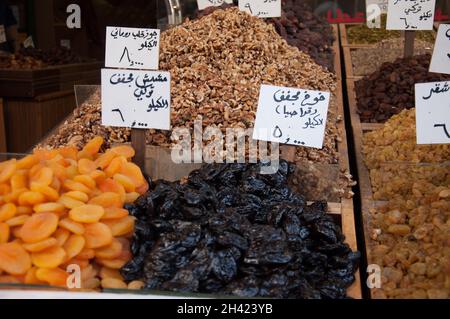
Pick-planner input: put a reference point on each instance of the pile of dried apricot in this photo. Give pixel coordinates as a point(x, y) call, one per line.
point(63, 207)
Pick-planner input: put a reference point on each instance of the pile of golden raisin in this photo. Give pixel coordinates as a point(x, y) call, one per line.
point(62, 207)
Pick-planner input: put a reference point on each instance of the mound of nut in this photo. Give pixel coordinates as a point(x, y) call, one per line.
point(64, 207)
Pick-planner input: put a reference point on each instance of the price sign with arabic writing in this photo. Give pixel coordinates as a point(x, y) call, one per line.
point(261, 8)
point(136, 99)
point(132, 48)
point(433, 112)
point(291, 116)
point(203, 4)
point(410, 15)
point(374, 9)
point(440, 62)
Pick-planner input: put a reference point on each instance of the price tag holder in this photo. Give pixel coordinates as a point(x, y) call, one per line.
point(410, 15)
point(203, 4)
point(374, 9)
point(440, 61)
point(261, 8)
point(291, 116)
point(2, 34)
point(433, 112)
point(132, 48)
point(136, 99)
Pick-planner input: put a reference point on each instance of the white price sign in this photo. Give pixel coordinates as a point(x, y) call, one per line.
point(132, 48)
point(440, 62)
point(203, 4)
point(433, 112)
point(374, 9)
point(291, 116)
point(136, 99)
point(261, 8)
point(410, 15)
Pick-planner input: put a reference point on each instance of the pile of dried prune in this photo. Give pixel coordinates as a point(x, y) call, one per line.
point(230, 230)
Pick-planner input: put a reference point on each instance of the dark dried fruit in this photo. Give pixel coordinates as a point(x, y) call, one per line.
point(252, 237)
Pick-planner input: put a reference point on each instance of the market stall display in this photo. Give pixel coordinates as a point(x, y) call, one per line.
point(62, 207)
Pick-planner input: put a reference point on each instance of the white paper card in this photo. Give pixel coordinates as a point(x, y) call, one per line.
point(136, 99)
point(433, 112)
point(132, 48)
point(410, 15)
point(203, 4)
point(2, 34)
point(374, 9)
point(261, 8)
point(291, 116)
point(440, 61)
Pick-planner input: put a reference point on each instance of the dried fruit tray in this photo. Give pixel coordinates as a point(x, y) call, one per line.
point(30, 83)
point(347, 50)
point(344, 37)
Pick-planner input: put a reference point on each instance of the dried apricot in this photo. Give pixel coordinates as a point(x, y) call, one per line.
point(86, 180)
point(79, 196)
point(125, 181)
point(7, 170)
point(4, 233)
point(69, 201)
point(17, 220)
point(54, 276)
point(142, 189)
point(131, 197)
point(44, 176)
point(13, 196)
point(98, 176)
point(133, 172)
point(74, 245)
point(7, 211)
point(38, 227)
point(106, 272)
point(14, 259)
point(82, 263)
point(71, 185)
point(61, 235)
point(115, 165)
point(27, 162)
point(93, 146)
point(86, 253)
point(50, 193)
point(122, 226)
point(88, 272)
point(45, 154)
point(41, 245)
point(24, 210)
point(105, 159)
point(91, 283)
point(68, 152)
point(97, 235)
point(5, 189)
point(71, 171)
point(114, 213)
point(123, 150)
point(112, 283)
point(86, 166)
point(136, 285)
point(49, 258)
point(106, 200)
point(31, 278)
point(18, 181)
point(110, 185)
point(72, 226)
point(87, 213)
point(31, 198)
point(111, 251)
point(112, 263)
point(49, 207)
point(9, 280)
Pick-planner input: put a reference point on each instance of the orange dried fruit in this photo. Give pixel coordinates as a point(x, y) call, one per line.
point(5, 189)
point(14, 259)
point(24, 210)
point(110, 185)
point(133, 172)
point(115, 165)
point(87, 213)
point(38, 227)
point(107, 199)
point(98, 176)
point(18, 181)
point(105, 159)
point(71, 185)
point(44, 154)
point(41, 245)
point(122, 226)
point(50, 193)
point(142, 189)
point(69, 201)
point(83, 263)
point(7, 211)
point(7, 170)
point(71, 171)
point(97, 235)
point(86, 253)
point(112, 263)
point(72, 226)
point(93, 146)
point(54, 276)
point(17, 220)
point(131, 197)
point(9, 280)
point(114, 213)
point(86, 180)
point(31, 278)
point(136, 285)
point(13, 196)
point(27, 162)
point(112, 283)
point(111, 251)
point(74, 245)
point(90, 284)
point(49, 258)
point(4, 233)
point(44, 176)
point(88, 272)
point(49, 207)
point(123, 150)
point(68, 152)
point(106, 272)
point(79, 196)
point(61, 235)
point(31, 198)
point(86, 166)
point(125, 181)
